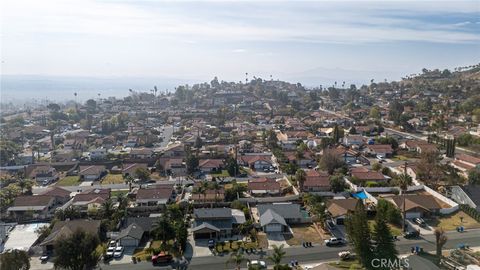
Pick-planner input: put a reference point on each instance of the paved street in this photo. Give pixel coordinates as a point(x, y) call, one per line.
point(317, 253)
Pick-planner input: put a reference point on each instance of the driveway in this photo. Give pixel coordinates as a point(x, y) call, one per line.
point(276, 239)
point(126, 257)
point(200, 246)
point(423, 231)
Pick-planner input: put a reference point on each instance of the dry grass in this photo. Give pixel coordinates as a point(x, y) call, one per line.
point(451, 222)
point(303, 233)
point(113, 179)
point(69, 181)
point(396, 231)
point(262, 240)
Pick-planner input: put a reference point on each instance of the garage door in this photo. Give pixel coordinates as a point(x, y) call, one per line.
point(274, 228)
point(128, 242)
point(412, 215)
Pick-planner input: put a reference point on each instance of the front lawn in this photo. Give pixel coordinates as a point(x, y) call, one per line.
point(305, 233)
point(225, 246)
point(223, 173)
point(69, 181)
point(116, 193)
point(451, 222)
point(113, 179)
point(396, 231)
point(354, 264)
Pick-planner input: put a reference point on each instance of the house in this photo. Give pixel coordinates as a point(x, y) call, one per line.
point(155, 196)
point(264, 186)
point(92, 172)
point(90, 200)
point(354, 140)
point(61, 195)
point(465, 163)
point(364, 175)
point(469, 194)
point(418, 205)
point(128, 170)
point(383, 150)
point(131, 236)
point(256, 161)
point(35, 206)
point(339, 208)
point(216, 222)
point(210, 165)
point(209, 195)
point(98, 154)
point(316, 181)
point(141, 153)
point(132, 141)
point(304, 160)
point(66, 228)
point(276, 218)
point(418, 146)
point(43, 175)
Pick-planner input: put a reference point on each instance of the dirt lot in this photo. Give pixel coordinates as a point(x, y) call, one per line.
point(303, 233)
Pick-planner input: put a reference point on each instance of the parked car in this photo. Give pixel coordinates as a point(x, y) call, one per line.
point(110, 251)
point(420, 222)
point(44, 257)
point(334, 241)
point(112, 243)
point(118, 252)
point(346, 255)
point(411, 234)
point(257, 264)
point(161, 258)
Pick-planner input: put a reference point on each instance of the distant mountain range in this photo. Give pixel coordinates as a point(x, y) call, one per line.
point(57, 88)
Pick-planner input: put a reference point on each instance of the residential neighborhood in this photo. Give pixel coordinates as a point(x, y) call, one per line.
point(205, 135)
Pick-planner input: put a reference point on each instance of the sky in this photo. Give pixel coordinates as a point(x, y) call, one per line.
point(312, 42)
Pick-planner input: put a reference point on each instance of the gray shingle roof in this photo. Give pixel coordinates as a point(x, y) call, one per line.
point(133, 230)
point(285, 210)
point(214, 213)
point(270, 216)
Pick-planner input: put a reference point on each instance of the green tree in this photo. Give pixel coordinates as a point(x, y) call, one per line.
point(15, 260)
point(474, 177)
point(337, 183)
point(385, 248)
point(142, 174)
point(163, 229)
point(374, 113)
point(77, 252)
point(236, 258)
point(359, 234)
point(337, 133)
point(330, 161)
point(277, 256)
point(192, 163)
point(300, 176)
point(232, 166)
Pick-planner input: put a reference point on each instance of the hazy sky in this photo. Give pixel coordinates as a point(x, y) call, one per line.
point(310, 41)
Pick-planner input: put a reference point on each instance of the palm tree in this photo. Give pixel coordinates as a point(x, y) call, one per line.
point(107, 208)
point(440, 240)
point(237, 258)
point(163, 229)
point(403, 181)
point(277, 255)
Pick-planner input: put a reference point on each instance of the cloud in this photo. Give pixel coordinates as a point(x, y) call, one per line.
point(239, 50)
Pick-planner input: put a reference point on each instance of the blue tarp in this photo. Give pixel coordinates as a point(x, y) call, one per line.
point(360, 195)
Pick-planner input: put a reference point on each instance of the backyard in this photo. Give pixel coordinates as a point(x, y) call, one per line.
point(69, 181)
point(223, 173)
point(303, 233)
point(451, 222)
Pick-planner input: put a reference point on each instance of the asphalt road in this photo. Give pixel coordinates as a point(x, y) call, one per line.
point(315, 254)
